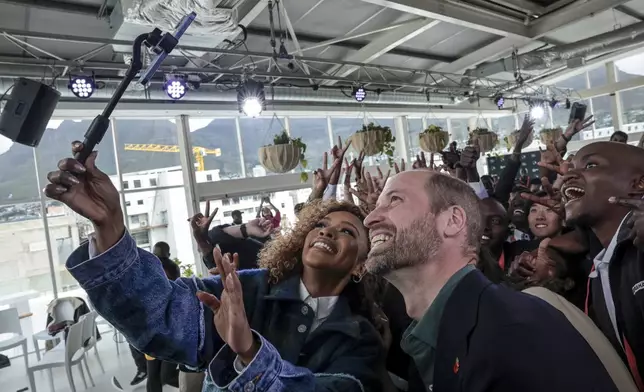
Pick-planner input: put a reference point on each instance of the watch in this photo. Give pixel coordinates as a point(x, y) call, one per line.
point(243, 230)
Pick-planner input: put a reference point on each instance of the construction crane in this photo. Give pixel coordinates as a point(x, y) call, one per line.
point(199, 152)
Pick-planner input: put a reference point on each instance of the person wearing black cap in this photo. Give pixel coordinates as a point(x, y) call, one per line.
point(237, 217)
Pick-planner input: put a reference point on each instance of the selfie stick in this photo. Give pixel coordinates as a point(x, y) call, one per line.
point(162, 45)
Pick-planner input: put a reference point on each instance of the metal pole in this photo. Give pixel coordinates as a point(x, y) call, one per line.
point(240, 148)
point(189, 180)
point(329, 128)
point(43, 208)
point(119, 175)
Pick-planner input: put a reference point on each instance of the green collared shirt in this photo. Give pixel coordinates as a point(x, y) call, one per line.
point(420, 338)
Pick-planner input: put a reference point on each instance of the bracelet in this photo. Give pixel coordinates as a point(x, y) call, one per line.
point(563, 136)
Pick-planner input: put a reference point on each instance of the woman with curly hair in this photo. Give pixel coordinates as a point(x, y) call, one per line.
point(305, 321)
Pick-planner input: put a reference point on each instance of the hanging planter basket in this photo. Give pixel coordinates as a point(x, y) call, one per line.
point(511, 139)
point(281, 158)
point(550, 135)
point(374, 140)
point(433, 139)
point(284, 155)
point(487, 139)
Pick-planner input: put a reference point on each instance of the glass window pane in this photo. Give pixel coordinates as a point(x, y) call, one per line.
point(577, 82)
point(598, 76)
point(633, 106)
point(149, 147)
point(25, 275)
point(602, 112)
point(210, 135)
point(504, 126)
point(459, 131)
point(630, 67)
point(160, 215)
point(255, 133)
point(315, 135)
point(345, 127)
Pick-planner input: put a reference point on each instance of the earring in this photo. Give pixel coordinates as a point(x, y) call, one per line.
point(356, 278)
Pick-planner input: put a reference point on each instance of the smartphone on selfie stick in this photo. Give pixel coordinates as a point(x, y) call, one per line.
point(161, 45)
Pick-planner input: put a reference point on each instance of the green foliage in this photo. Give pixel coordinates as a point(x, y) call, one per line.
point(186, 270)
point(433, 129)
point(284, 138)
point(386, 145)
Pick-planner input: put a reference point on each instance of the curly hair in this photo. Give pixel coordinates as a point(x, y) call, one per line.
point(282, 257)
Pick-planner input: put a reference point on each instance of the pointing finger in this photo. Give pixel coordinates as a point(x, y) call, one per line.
point(630, 203)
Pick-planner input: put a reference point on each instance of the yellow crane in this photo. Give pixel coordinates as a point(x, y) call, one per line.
point(199, 152)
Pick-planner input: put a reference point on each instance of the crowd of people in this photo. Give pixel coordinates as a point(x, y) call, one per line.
point(433, 278)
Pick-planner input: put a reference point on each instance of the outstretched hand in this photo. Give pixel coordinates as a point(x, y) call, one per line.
point(552, 200)
point(200, 223)
point(90, 193)
point(369, 189)
point(230, 315)
point(636, 221)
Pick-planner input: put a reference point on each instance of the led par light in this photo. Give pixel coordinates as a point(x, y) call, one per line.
point(359, 93)
point(537, 111)
point(175, 87)
point(251, 99)
point(82, 86)
point(499, 101)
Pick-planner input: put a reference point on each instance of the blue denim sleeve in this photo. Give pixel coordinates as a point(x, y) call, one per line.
point(164, 319)
point(268, 372)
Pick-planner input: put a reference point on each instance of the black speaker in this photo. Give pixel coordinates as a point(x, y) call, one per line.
point(27, 112)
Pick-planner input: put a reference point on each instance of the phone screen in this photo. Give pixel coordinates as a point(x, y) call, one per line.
point(577, 112)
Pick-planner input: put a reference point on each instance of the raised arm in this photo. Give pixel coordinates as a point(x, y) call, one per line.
point(126, 284)
point(159, 317)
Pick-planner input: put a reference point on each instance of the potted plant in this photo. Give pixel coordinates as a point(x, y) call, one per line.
point(433, 139)
point(550, 135)
point(374, 140)
point(284, 155)
point(511, 139)
point(487, 139)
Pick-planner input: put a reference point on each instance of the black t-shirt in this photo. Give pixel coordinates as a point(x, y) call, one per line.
point(247, 249)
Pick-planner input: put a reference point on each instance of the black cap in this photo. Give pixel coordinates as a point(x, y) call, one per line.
point(236, 213)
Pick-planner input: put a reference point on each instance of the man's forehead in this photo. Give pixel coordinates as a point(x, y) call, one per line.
point(410, 181)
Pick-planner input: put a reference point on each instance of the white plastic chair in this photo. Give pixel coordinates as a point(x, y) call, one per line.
point(67, 354)
point(89, 340)
point(63, 311)
point(10, 324)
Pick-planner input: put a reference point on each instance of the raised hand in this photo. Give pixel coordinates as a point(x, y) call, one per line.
point(338, 153)
point(523, 266)
point(369, 189)
point(636, 221)
point(574, 128)
point(470, 155)
point(552, 200)
point(421, 162)
point(260, 228)
point(200, 223)
point(401, 168)
point(524, 133)
point(90, 193)
point(230, 316)
point(357, 165)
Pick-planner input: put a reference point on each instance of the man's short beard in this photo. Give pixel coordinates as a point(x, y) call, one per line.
point(413, 245)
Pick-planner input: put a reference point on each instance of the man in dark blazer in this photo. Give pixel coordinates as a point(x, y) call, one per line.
point(468, 334)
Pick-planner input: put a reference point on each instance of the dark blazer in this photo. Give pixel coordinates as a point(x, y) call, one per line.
point(494, 339)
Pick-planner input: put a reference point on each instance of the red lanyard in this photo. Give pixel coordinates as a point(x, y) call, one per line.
point(502, 261)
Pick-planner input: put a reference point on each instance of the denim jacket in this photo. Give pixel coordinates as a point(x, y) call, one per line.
point(165, 319)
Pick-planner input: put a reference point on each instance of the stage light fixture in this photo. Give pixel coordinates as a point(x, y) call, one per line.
point(499, 101)
point(359, 93)
point(537, 111)
point(251, 99)
point(554, 103)
point(175, 87)
point(568, 105)
point(82, 86)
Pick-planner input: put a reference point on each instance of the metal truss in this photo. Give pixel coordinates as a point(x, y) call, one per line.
point(291, 72)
